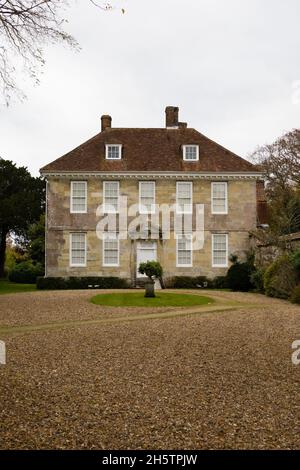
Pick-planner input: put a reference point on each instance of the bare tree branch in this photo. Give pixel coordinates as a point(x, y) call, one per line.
point(280, 162)
point(25, 27)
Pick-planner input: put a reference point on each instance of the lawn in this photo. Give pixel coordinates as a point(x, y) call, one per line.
point(162, 299)
point(7, 287)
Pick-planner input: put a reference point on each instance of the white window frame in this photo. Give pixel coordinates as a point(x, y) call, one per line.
point(113, 145)
point(78, 265)
point(190, 265)
point(178, 210)
point(184, 147)
point(107, 236)
point(214, 265)
point(142, 209)
point(72, 211)
point(111, 211)
point(213, 211)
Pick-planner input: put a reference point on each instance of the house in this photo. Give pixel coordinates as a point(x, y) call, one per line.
point(217, 193)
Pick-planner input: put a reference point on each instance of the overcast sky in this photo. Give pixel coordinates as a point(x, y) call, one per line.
point(230, 66)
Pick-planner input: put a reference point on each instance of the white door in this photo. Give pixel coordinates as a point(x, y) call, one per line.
point(146, 251)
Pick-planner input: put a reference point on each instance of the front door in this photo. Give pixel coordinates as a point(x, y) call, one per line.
point(146, 251)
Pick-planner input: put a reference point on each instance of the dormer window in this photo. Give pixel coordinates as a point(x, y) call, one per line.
point(191, 153)
point(113, 151)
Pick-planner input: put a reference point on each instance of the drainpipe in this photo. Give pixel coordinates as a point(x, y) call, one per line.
point(46, 227)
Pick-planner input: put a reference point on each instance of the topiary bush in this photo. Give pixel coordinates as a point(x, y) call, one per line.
point(153, 270)
point(239, 277)
point(280, 278)
point(56, 283)
point(26, 272)
point(295, 297)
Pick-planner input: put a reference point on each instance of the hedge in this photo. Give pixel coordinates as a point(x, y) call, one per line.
point(280, 278)
point(295, 297)
point(25, 272)
point(189, 282)
point(239, 277)
point(54, 283)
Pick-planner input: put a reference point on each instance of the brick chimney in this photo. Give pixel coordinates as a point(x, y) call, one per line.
point(172, 116)
point(105, 122)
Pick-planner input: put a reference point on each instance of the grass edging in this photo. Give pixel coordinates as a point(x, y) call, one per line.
point(78, 323)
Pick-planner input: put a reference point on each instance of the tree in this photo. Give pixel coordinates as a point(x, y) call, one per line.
point(36, 244)
point(26, 26)
point(153, 270)
point(280, 162)
point(22, 201)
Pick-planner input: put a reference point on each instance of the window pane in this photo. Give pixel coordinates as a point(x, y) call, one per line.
point(191, 152)
point(78, 248)
point(184, 251)
point(184, 257)
point(219, 197)
point(220, 249)
point(147, 196)
point(184, 197)
point(79, 205)
point(111, 250)
point(78, 193)
point(111, 196)
point(113, 152)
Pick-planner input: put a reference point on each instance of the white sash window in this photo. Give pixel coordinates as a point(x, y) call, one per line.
point(147, 197)
point(111, 249)
point(184, 249)
point(113, 152)
point(111, 197)
point(78, 203)
point(219, 203)
point(78, 249)
point(184, 197)
point(220, 250)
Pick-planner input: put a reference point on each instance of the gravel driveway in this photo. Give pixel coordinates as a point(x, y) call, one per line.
point(219, 379)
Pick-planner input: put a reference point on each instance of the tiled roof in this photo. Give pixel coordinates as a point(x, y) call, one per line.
point(150, 150)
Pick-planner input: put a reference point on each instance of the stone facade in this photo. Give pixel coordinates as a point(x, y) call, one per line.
point(241, 218)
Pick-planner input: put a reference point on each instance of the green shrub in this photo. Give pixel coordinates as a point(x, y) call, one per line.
point(25, 272)
point(296, 260)
point(239, 277)
point(295, 297)
point(257, 280)
point(219, 282)
point(189, 282)
point(54, 283)
point(280, 278)
point(151, 269)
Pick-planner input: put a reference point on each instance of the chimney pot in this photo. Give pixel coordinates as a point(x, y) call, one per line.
point(105, 122)
point(172, 116)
